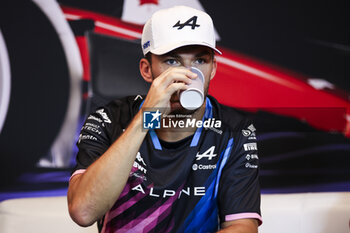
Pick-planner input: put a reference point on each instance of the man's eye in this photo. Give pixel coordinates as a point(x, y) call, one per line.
point(171, 62)
point(200, 61)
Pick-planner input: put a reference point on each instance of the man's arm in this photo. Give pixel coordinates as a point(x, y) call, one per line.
point(240, 226)
point(239, 192)
point(92, 193)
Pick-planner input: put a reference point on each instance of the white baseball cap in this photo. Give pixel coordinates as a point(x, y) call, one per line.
point(171, 28)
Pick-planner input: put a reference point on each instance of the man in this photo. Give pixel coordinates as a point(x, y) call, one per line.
point(171, 179)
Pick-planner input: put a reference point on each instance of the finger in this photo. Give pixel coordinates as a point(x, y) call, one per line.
point(181, 79)
point(178, 75)
point(184, 71)
point(171, 89)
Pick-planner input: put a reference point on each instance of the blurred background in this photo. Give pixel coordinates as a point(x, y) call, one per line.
point(286, 64)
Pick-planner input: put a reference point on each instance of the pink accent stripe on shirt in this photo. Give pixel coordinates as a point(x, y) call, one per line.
point(232, 217)
point(126, 205)
point(80, 171)
point(148, 220)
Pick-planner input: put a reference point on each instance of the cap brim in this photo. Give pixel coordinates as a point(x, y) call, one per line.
point(168, 48)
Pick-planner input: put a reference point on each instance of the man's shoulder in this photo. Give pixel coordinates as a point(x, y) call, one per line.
point(231, 117)
point(125, 103)
point(122, 109)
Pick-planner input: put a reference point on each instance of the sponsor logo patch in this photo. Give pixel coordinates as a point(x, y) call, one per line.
point(86, 137)
point(252, 128)
point(146, 45)
point(139, 163)
point(95, 118)
point(246, 132)
point(250, 146)
point(250, 131)
point(104, 116)
point(193, 191)
point(196, 167)
point(248, 165)
point(207, 154)
point(251, 156)
point(192, 22)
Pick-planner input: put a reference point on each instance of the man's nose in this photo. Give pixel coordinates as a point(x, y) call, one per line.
point(187, 65)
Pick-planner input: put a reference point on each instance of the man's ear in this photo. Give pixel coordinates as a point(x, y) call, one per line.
point(145, 70)
point(215, 65)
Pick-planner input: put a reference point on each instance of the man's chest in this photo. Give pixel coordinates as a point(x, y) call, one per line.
point(181, 171)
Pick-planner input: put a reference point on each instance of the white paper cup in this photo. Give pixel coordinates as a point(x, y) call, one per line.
point(193, 97)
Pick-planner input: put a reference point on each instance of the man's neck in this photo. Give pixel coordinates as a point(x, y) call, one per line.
point(172, 134)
